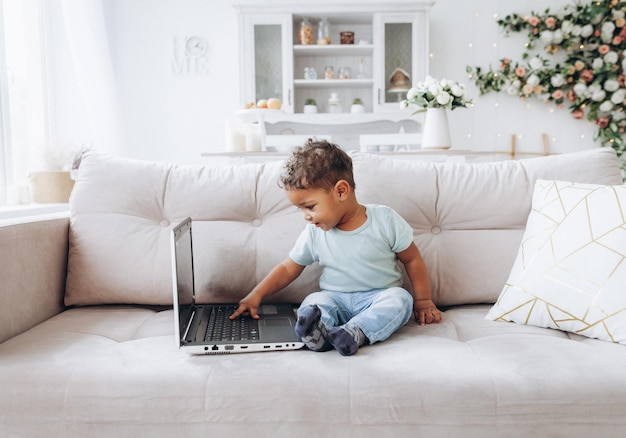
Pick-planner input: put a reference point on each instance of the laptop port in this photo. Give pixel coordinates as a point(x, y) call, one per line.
point(243, 347)
point(215, 348)
point(267, 346)
point(279, 346)
point(230, 347)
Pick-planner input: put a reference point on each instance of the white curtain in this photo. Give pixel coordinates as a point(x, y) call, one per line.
point(91, 66)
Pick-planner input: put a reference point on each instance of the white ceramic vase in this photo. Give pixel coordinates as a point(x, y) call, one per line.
point(436, 133)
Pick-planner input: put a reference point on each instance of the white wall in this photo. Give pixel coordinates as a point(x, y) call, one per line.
point(173, 117)
point(170, 116)
point(465, 32)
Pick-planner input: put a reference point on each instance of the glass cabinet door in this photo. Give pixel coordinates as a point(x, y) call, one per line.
point(402, 58)
point(267, 72)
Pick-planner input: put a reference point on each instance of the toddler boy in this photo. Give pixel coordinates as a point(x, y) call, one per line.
point(361, 300)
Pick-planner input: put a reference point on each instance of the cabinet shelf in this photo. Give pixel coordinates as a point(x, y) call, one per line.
point(391, 46)
point(333, 83)
point(333, 49)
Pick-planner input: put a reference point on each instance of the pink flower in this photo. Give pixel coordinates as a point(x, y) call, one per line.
point(527, 89)
point(534, 20)
point(602, 122)
point(550, 21)
point(604, 49)
point(571, 95)
point(617, 40)
point(587, 75)
point(557, 94)
point(578, 114)
point(520, 71)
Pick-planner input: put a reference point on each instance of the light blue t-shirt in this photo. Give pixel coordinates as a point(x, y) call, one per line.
point(359, 260)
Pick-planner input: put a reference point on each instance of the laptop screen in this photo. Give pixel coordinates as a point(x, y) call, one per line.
point(184, 273)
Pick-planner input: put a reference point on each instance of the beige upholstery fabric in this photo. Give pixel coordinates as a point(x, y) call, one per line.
point(32, 271)
point(110, 371)
point(468, 221)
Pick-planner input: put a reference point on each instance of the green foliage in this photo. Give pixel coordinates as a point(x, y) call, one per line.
point(574, 58)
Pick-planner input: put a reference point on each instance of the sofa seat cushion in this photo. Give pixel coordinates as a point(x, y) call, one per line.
point(115, 370)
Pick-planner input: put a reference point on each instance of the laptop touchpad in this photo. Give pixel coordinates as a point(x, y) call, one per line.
point(277, 322)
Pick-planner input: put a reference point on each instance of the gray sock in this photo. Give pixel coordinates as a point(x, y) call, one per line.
point(346, 339)
point(312, 330)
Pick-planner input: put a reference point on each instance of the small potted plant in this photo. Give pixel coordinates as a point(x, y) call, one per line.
point(357, 106)
point(310, 106)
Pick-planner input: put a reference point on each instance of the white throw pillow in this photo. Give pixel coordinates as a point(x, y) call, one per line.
point(570, 270)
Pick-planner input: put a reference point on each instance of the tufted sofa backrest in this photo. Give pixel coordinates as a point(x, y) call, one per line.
point(468, 221)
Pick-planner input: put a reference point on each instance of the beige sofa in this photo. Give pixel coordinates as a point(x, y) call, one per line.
point(88, 329)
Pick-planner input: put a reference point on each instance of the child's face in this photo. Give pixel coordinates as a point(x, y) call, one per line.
point(320, 207)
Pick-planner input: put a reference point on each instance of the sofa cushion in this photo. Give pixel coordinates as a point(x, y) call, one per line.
point(114, 371)
point(570, 269)
point(468, 220)
point(122, 212)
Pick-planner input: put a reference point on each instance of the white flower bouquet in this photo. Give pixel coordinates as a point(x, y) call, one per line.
point(433, 93)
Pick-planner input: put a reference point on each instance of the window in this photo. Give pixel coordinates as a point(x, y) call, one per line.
point(23, 114)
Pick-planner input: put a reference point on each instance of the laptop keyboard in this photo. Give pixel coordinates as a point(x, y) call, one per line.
point(220, 328)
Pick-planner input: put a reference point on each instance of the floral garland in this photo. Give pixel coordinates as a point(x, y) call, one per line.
point(588, 45)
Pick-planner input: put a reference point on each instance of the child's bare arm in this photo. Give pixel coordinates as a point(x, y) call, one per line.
point(424, 309)
point(279, 277)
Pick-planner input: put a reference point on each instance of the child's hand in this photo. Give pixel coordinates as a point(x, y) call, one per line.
point(426, 312)
point(248, 306)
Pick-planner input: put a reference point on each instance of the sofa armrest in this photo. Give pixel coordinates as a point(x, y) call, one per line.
point(33, 267)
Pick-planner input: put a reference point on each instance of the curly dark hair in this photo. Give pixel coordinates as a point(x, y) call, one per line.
point(317, 164)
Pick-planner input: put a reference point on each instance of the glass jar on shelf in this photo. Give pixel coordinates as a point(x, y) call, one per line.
point(329, 72)
point(345, 73)
point(346, 37)
point(361, 74)
point(305, 32)
point(323, 31)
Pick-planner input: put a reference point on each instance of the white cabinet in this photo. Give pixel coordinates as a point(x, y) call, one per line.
point(267, 70)
point(402, 51)
point(389, 37)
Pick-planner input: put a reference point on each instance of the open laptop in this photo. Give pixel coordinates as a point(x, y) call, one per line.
point(198, 328)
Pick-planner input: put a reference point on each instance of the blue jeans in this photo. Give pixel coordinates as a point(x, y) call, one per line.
point(378, 313)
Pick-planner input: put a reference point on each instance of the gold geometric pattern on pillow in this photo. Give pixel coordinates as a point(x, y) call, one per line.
point(570, 270)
